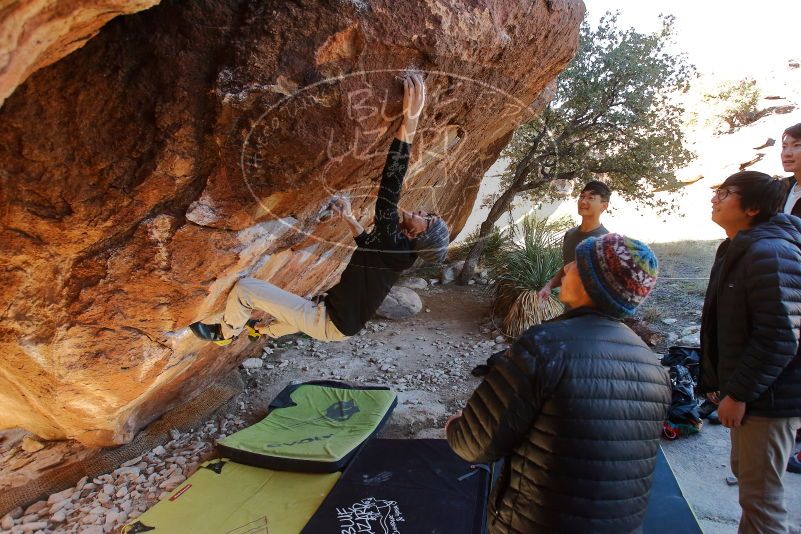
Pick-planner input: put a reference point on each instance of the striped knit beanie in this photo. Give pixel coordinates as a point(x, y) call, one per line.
point(432, 245)
point(617, 272)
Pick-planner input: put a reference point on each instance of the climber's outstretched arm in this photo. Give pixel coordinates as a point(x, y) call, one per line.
point(387, 221)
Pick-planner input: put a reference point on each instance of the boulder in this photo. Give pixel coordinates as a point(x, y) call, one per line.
point(193, 143)
point(37, 33)
point(413, 283)
point(401, 302)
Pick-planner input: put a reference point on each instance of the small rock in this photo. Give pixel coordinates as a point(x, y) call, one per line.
point(131, 462)
point(731, 480)
point(172, 482)
point(471, 283)
point(692, 329)
point(108, 489)
point(58, 506)
point(133, 471)
point(428, 310)
point(16, 513)
point(30, 527)
point(111, 518)
point(669, 320)
point(92, 529)
point(31, 445)
point(433, 281)
point(60, 496)
point(158, 451)
point(175, 434)
point(122, 492)
point(7, 522)
point(500, 339)
point(447, 275)
point(36, 507)
point(59, 517)
point(691, 340)
point(252, 363)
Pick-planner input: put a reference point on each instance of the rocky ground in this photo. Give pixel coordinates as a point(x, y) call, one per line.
point(427, 360)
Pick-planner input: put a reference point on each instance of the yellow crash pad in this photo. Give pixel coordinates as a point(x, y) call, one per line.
point(224, 497)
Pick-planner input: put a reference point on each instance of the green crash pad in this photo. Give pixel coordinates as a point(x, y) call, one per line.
point(312, 427)
point(226, 497)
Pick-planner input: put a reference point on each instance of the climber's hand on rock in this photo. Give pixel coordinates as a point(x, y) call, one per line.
point(341, 208)
point(414, 98)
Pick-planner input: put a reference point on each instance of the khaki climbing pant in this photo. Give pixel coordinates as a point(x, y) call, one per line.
point(760, 447)
point(292, 313)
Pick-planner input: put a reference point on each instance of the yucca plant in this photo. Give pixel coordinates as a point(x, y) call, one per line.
point(527, 260)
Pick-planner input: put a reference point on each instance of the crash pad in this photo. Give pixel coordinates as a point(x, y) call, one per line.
point(406, 486)
point(226, 497)
point(668, 510)
point(314, 427)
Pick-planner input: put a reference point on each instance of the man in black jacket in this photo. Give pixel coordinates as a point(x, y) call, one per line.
point(750, 328)
point(577, 407)
point(398, 238)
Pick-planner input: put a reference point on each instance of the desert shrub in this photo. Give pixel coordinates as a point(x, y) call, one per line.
point(736, 102)
point(525, 262)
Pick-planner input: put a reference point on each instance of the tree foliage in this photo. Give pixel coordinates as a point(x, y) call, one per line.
point(615, 117)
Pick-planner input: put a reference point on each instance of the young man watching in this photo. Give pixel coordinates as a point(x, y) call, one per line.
point(750, 327)
point(791, 161)
point(398, 238)
point(592, 202)
point(576, 408)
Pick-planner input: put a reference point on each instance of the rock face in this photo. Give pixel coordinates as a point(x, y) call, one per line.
point(196, 142)
point(36, 33)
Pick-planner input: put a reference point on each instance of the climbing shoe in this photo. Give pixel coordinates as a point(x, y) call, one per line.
point(250, 327)
point(794, 465)
point(210, 332)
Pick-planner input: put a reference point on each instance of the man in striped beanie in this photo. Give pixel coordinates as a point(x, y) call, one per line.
point(617, 272)
point(580, 398)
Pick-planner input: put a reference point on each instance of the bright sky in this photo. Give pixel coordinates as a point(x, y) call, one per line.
point(732, 39)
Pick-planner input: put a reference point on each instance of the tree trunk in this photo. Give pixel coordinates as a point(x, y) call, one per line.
point(498, 208)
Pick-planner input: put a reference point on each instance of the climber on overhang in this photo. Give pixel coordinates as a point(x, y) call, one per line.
point(398, 238)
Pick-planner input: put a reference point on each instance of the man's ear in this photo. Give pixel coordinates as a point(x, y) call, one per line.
point(752, 212)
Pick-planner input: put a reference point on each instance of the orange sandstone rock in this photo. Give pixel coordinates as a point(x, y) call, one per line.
point(196, 142)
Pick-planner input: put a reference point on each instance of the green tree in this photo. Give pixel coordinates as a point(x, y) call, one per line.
point(614, 116)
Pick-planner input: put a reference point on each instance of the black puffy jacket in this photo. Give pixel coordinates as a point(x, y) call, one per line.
point(576, 409)
point(752, 319)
